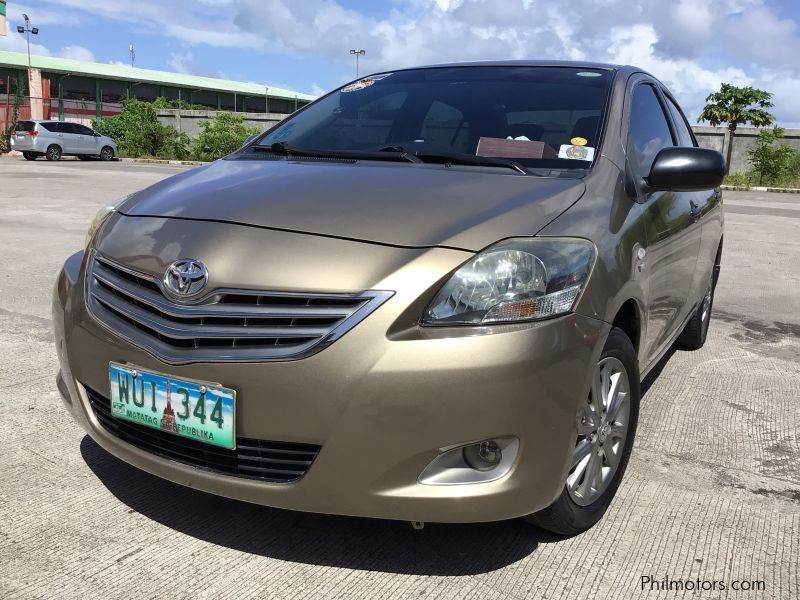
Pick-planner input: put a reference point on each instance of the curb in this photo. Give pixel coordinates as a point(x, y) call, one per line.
point(743, 188)
point(157, 161)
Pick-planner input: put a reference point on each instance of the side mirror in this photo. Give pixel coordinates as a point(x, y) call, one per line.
point(250, 138)
point(686, 170)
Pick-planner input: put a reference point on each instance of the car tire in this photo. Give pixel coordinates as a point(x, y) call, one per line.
point(30, 155)
point(107, 153)
point(600, 439)
point(53, 152)
point(694, 334)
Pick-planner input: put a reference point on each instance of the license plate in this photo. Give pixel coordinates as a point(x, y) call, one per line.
point(192, 409)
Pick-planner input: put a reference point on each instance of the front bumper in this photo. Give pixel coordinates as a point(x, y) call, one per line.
point(382, 402)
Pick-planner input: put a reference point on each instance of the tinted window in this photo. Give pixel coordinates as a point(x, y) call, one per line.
point(450, 109)
point(681, 126)
point(649, 130)
point(49, 126)
point(82, 129)
point(68, 128)
point(445, 125)
point(25, 126)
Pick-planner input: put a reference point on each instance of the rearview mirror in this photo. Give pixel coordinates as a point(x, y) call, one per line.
point(686, 170)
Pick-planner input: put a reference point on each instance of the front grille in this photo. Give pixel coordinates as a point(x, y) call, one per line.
point(280, 462)
point(224, 325)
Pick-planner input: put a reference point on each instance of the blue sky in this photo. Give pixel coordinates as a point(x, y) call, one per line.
point(692, 45)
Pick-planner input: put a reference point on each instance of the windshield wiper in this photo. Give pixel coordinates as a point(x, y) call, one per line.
point(460, 159)
point(468, 159)
point(284, 149)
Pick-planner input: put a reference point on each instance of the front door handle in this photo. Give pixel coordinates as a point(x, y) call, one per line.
point(694, 211)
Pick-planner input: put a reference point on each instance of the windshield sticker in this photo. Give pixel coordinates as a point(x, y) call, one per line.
point(364, 83)
point(576, 152)
point(578, 141)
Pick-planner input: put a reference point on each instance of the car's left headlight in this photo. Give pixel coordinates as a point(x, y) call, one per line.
point(100, 218)
point(519, 279)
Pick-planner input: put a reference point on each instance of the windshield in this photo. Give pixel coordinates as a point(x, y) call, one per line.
point(538, 116)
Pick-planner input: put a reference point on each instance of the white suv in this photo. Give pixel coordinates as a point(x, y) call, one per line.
point(54, 139)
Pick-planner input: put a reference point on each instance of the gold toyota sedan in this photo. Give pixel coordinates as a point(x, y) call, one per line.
point(430, 295)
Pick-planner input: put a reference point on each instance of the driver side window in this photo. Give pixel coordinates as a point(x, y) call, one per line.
point(649, 129)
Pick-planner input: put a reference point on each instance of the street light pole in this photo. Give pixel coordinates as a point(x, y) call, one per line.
point(28, 30)
point(357, 53)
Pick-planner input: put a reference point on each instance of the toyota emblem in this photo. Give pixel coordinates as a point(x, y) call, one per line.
point(185, 278)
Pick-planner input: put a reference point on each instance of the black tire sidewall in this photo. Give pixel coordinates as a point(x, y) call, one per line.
point(110, 153)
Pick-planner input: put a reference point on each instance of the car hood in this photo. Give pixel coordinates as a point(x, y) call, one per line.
point(389, 203)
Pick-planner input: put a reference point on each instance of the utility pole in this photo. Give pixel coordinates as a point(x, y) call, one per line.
point(357, 53)
point(28, 30)
point(132, 51)
point(266, 100)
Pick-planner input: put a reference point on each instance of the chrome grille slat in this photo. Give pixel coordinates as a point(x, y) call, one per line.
point(190, 331)
point(160, 303)
point(225, 324)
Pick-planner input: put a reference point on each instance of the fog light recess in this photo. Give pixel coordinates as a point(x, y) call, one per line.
point(478, 462)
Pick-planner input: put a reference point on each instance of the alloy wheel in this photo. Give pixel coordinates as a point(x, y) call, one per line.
point(602, 430)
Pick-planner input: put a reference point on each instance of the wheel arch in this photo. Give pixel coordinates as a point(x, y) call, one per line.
point(628, 318)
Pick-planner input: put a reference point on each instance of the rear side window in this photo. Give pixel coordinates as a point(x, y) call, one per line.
point(25, 126)
point(649, 129)
point(681, 127)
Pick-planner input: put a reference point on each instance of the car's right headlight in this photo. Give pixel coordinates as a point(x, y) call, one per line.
point(100, 218)
point(519, 279)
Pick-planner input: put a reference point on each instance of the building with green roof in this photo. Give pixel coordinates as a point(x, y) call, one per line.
point(76, 90)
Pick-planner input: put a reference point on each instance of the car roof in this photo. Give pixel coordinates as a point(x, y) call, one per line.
point(533, 63)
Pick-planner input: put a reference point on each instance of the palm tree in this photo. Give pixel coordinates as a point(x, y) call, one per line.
point(737, 105)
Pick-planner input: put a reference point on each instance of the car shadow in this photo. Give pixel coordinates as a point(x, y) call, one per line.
point(349, 542)
point(655, 372)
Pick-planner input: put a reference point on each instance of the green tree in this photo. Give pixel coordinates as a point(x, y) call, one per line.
point(737, 106)
point(772, 161)
point(136, 129)
point(222, 135)
point(175, 144)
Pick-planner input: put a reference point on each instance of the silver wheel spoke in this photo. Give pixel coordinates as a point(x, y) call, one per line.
point(616, 404)
point(582, 450)
point(585, 488)
point(612, 390)
point(605, 385)
point(612, 453)
point(587, 421)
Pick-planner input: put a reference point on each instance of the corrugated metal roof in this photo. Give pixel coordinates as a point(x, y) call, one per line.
point(19, 60)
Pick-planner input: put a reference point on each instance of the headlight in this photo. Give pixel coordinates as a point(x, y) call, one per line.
point(100, 218)
point(520, 279)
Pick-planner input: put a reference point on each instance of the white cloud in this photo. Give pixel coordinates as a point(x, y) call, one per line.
point(39, 16)
point(14, 42)
point(182, 62)
point(76, 53)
